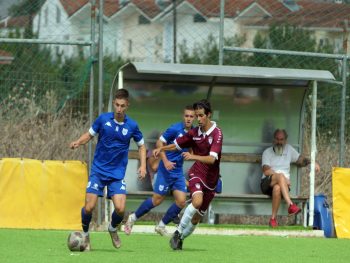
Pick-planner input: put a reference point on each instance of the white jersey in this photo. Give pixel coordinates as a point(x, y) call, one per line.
point(280, 163)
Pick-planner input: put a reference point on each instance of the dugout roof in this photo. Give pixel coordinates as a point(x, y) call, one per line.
point(222, 75)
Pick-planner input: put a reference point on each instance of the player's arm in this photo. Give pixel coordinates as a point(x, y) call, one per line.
point(85, 138)
point(153, 163)
point(169, 147)
point(167, 164)
point(208, 159)
point(142, 154)
point(162, 154)
point(304, 161)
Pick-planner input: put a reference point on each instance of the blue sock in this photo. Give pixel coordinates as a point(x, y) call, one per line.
point(116, 219)
point(171, 213)
point(85, 220)
point(146, 206)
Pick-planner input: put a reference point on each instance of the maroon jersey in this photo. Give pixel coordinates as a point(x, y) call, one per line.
point(208, 143)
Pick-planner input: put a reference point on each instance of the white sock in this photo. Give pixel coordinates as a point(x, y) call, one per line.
point(186, 218)
point(133, 217)
point(111, 229)
point(85, 234)
point(161, 223)
point(188, 230)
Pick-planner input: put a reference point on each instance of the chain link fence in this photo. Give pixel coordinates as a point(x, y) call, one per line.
point(52, 52)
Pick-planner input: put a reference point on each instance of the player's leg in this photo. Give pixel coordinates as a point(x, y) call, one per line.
point(160, 190)
point(208, 196)
point(179, 192)
point(86, 211)
point(196, 189)
point(143, 209)
point(86, 216)
point(94, 189)
point(116, 192)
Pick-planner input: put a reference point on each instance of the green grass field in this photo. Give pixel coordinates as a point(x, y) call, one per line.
point(50, 246)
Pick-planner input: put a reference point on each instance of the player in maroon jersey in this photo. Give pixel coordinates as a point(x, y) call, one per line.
point(206, 143)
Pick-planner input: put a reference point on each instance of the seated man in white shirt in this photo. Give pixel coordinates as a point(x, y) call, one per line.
point(275, 180)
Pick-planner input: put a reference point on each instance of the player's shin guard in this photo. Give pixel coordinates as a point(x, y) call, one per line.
point(144, 208)
point(187, 217)
point(116, 219)
point(171, 213)
point(188, 230)
point(85, 220)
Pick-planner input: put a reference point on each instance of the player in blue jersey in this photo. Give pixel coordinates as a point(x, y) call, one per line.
point(115, 131)
point(206, 144)
point(170, 176)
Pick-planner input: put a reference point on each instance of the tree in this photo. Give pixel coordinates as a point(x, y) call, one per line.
point(26, 7)
point(207, 52)
point(287, 37)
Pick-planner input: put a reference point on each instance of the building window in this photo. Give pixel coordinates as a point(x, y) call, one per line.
point(198, 18)
point(321, 42)
point(338, 45)
point(143, 20)
point(58, 15)
point(130, 46)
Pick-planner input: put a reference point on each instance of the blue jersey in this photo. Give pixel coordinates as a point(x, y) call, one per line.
point(174, 131)
point(111, 153)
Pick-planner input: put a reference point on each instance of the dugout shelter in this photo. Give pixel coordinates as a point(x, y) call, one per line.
point(249, 103)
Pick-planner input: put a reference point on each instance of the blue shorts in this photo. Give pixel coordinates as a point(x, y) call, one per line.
point(164, 183)
point(98, 182)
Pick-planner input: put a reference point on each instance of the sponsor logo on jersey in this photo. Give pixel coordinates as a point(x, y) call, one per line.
point(117, 128)
point(122, 187)
point(197, 138)
point(124, 131)
point(108, 124)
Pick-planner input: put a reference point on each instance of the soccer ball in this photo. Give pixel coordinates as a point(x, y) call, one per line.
point(76, 242)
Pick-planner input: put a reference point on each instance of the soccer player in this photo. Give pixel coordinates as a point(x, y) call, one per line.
point(275, 180)
point(206, 143)
point(115, 130)
point(170, 176)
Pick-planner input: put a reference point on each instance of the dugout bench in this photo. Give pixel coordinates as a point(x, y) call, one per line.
point(228, 204)
point(249, 103)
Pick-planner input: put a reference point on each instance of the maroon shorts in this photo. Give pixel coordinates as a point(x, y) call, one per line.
point(196, 185)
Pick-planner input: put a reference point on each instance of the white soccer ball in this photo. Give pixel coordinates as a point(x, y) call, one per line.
point(76, 242)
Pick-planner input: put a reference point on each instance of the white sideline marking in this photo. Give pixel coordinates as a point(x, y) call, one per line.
point(235, 232)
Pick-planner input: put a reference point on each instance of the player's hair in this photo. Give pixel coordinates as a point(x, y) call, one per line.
point(122, 94)
point(280, 130)
point(203, 104)
point(188, 107)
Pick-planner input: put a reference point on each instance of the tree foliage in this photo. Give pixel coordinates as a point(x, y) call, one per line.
point(26, 7)
point(208, 52)
point(279, 37)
